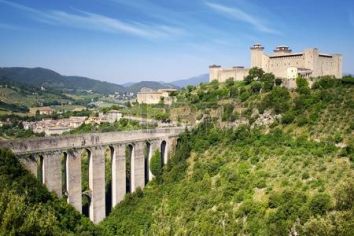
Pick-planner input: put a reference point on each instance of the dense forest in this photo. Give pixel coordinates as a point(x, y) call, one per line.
point(293, 176)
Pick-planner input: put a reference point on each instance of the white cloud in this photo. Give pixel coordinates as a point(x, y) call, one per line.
point(240, 15)
point(97, 22)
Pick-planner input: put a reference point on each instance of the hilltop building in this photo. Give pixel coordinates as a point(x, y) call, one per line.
point(283, 63)
point(45, 110)
point(150, 96)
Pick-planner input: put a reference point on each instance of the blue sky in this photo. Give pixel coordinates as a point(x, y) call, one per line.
point(165, 40)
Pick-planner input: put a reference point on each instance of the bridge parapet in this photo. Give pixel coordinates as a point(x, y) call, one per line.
point(55, 143)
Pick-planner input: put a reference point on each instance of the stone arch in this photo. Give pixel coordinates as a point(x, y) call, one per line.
point(86, 176)
point(64, 171)
point(163, 152)
point(147, 156)
point(129, 163)
point(109, 155)
point(40, 169)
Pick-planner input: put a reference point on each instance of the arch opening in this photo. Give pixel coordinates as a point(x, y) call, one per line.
point(109, 155)
point(64, 174)
point(163, 153)
point(40, 169)
point(147, 156)
point(128, 165)
point(85, 181)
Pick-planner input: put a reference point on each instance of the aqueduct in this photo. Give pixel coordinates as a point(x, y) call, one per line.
point(44, 158)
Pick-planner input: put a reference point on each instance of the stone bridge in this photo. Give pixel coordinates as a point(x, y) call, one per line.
point(56, 162)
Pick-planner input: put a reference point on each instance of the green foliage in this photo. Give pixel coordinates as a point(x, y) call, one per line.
point(155, 164)
point(230, 176)
point(15, 130)
point(13, 107)
point(278, 81)
point(121, 125)
point(256, 86)
point(256, 72)
point(320, 204)
point(288, 117)
point(268, 80)
point(302, 86)
point(278, 99)
point(27, 208)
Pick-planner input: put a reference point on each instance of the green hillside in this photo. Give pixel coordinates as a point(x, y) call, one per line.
point(27, 208)
point(263, 160)
point(38, 77)
point(293, 176)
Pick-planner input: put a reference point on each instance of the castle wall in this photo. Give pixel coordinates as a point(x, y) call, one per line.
point(149, 98)
point(310, 60)
point(279, 65)
point(223, 74)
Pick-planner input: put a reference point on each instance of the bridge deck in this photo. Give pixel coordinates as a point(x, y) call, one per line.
point(55, 143)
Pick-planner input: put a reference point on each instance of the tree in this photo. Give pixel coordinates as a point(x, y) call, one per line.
point(256, 72)
point(248, 79)
point(278, 81)
point(256, 86)
point(302, 86)
point(230, 82)
point(268, 81)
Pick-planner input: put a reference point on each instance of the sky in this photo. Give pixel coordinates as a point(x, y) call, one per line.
point(125, 41)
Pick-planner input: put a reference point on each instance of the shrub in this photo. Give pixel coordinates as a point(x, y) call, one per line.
point(320, 203)
point(278, 99)
point(302, 86)
point(256, 86)
point(288, 117)
point(278, 81)
point(344, 196)
point(256, 73)
point(305, 175)
point(155, 164)
point(302, 120)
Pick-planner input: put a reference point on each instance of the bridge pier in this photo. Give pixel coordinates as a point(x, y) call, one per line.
point(52, 176)
point(138, 167)
point(118, 174)
point(97, 185)
point(73, 185)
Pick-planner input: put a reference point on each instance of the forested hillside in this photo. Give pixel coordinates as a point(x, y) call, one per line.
point(38, 77)
point(27, 208)
point(291, 176)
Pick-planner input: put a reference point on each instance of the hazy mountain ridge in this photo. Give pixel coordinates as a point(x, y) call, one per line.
point(135, 87)
point(196, 80)
point(38, 77)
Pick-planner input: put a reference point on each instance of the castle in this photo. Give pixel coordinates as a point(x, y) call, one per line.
point(283, 63)
point(150, 96)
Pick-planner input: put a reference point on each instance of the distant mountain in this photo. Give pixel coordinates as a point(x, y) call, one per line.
point(38, 77)
point(204, 78)
point(149, 84)
point(125, 85)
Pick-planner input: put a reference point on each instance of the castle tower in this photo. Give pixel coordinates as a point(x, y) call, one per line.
point(256, 55)
point(337, 61)
point(214, 72)
point(311, 61)
point(282, 50)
